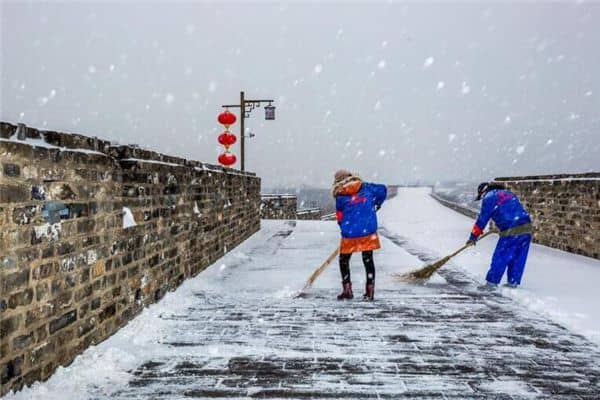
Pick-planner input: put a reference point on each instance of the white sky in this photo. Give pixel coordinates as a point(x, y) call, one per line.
point(396, 92)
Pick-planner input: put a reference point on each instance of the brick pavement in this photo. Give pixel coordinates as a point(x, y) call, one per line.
point(438, 341)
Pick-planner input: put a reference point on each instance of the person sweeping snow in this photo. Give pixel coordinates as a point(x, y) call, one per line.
point(504, 208)
point(356, 203)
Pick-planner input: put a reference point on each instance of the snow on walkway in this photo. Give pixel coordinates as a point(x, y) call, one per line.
point(561, 285)
point(235, 331)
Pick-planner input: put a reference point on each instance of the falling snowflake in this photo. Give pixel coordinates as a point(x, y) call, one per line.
point(381, 64)
point(381, 153)
point(384, 44)
point(111, 67)
point(377, 106)
point(212, 86)
point(428, 62)
point(318, 69)
point(507, 119)
point(520, 149)
point(92, 69)
point(549, 142)
point(169, 98)
point(588, 93)
point(465, 89)
point(440, 85)
point(451, 137)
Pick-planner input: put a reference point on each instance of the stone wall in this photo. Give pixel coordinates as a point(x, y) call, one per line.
point(565, 210)
point(71, 272)
point(278, 206)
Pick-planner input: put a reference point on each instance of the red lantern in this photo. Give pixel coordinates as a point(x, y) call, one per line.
point(227, 118)
point(227, 159)
point(227, 138)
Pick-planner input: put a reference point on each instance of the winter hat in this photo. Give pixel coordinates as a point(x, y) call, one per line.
point(340, 175)
point(485, 187)
point(342, 179)
point(481, 189)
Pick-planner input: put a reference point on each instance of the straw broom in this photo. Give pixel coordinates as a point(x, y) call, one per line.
point(425, 272)
point(313, 277)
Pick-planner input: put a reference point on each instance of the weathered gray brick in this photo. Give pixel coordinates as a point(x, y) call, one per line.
point(13, 193)
point(63, 321)
point(11, 170)
point(9, 325)
point(14, 281)
point(22, 298)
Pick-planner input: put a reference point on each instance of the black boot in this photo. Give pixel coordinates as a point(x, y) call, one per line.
point(346, 292)
point(369, 292)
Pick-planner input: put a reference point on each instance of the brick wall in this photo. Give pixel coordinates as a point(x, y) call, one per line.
point(70, 273)
point(565, 210)
point(278, 206)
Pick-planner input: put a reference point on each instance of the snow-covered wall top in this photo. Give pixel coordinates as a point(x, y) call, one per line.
point(72, 142)
point(91, 233)
point(586, 176)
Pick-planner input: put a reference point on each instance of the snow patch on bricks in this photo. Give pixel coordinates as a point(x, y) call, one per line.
point(49, 231)
point(128, 220)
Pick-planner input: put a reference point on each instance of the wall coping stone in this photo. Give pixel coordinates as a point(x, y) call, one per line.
point(555, 177)
point(73, 142)
point(278, 196)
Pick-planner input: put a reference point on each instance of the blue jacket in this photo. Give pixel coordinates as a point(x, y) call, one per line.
point(503, 207)
point(355, 209)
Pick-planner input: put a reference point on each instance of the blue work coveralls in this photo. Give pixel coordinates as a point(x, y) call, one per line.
point(503, 207)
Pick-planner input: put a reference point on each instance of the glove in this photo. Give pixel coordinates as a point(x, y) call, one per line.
point(471, 243)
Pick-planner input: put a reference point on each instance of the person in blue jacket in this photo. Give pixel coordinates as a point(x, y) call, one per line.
point(356, 203)
point(503, 207)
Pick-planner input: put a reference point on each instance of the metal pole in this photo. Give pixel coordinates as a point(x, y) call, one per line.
point(242, 116)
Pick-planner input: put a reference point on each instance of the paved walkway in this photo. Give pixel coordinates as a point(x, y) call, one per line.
point(235, 332)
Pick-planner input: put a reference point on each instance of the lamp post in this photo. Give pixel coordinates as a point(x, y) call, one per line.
point(246, 106)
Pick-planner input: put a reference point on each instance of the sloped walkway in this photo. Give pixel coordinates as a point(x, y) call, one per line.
point(236, 332)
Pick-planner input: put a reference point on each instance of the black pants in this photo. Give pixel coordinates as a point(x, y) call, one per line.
point(367, 257)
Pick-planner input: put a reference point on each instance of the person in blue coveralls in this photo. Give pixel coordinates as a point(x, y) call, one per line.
point(513, 221)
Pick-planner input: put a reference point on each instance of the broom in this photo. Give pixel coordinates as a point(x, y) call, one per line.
point(425, 272)
point(313, 277)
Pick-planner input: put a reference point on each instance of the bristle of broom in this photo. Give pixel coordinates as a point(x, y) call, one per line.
point(421, 274)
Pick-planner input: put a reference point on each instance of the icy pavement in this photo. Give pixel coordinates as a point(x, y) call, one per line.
point(236, 332)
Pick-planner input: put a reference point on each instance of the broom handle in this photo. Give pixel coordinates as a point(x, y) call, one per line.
point(465, 246)
point(317, 272)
